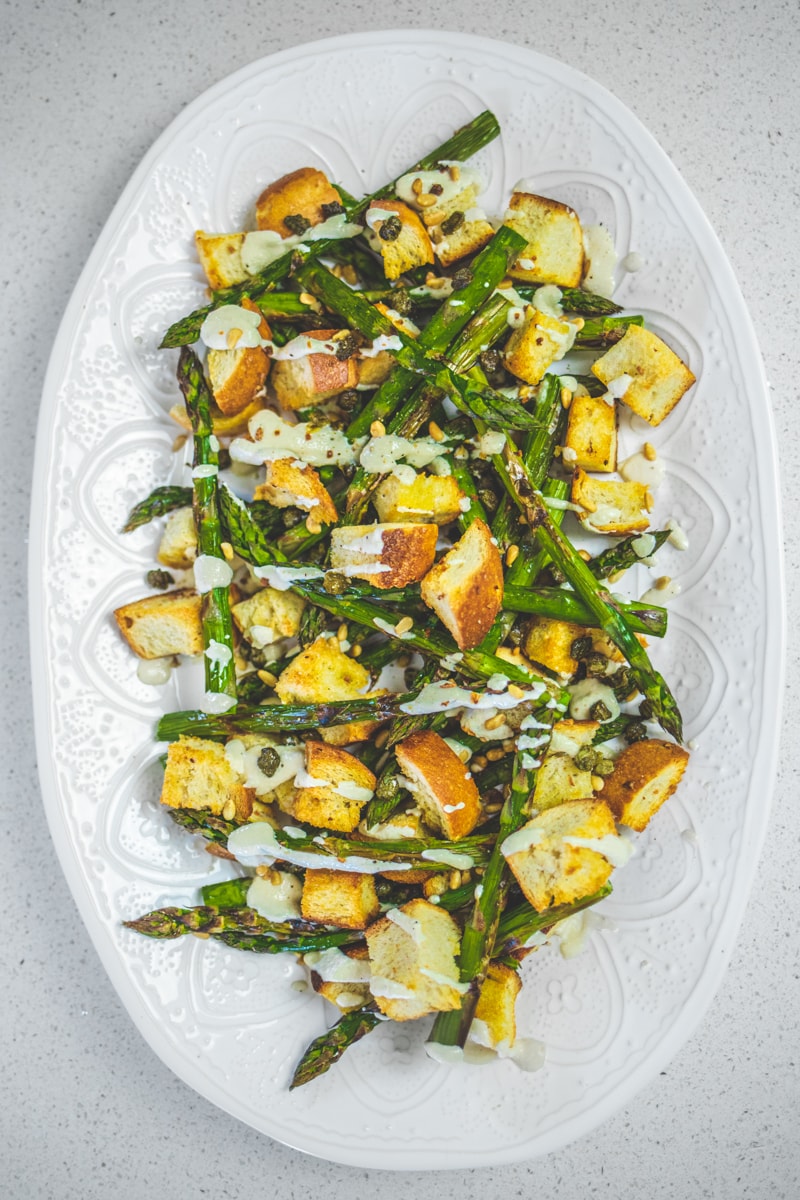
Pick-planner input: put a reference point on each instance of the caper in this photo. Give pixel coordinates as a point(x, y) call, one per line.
point(581, 648)
point(334, 583)
point(635, 732)
point(348, 400)
point(346, 346)
point(452, 223)
point(646, 710)
point(387, 787)
point(586, 758)
point(390, 229)
point(490, 361)
point(596, 664)
point(400, 301)
point(461, 278)
point(488, 499)
point(603, 767)
point(331, 210)
point(159, 579)
point(269, 760)
point(600, 711)
point(297, 223)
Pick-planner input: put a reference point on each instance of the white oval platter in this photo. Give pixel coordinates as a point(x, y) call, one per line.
point(230, 1024)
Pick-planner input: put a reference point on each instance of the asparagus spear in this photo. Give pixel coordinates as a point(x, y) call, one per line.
point(177, 922)
point(464, 143)
point(576, 300)
point(216, 615)
point(275, 718)
point(598, 333)
point(161, 501)
point(623, 555)
point(329, 1047)
point(566, 606)
point(517, 925)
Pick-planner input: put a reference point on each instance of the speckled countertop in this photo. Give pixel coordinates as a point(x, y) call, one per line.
point(88, 1110)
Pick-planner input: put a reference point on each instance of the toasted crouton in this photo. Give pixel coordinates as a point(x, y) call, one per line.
point(375, 368)
point(412, 245)
point(440, 783)
point(221, 424)
point(342, 982)
point(559, 779)
point(317, 376)
point(388, 555)
point(469, 237)
point(536, 344)
point(645, 775)
point(161, 625)
point(221, 257)
point(465, 588)
point(344, 898)
point(290, 483)
point(400, 826)
point(548, 859)
point(178, 545)
point(495, 1023)
point(300, 193)
point(237, 375)
point(269, 615)
point(412, 954)
point(334, 788)
point(430, 498)
point(548, 642)
point(658, 377)
point(570, 736)
point(591, 438)
point(554, 253)
point(322, 672)
point(611, 506)
point(461, 199)
point(198, 776)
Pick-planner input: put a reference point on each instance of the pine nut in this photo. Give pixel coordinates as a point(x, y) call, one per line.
point(377, 429)
point(512, 554)
point(426, 201)
point(356, 651)
point(227, 550)
point(649, 502)
point(341, 633)
point(403, 625)
point(566, 397)
point(267, 677)
point(663, 582)
point(494, 722)
point(435, 431)
point(416, 186)
point(598, 783)
point(454, 172)
point(650, 452)
point(494, 755)
point(516, 691)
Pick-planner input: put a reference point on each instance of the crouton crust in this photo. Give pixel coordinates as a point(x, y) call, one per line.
point(161, 625)
point(412, 248)
point(555, 240)
point(440, 783)
point(300, 382)
point(220, 255)
point(199, 777)
point(237, 375)
point(537, 344)
point(611, 506)
point(322, 805)
point(549, 870)
point(344, 898)
point(301, 192)
point(407, 550)
point(658, 376)
point(322, 672)
point(465, 588)
point(289, 484)
point(416, 966)
point(496, 1005)
point(645, 775)
point(591, 434)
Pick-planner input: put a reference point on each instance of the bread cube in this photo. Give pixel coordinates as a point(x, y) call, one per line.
point(178, 545)
point(372, 371)
point(548, 643)
point(430, 498)
point(412, 246)
point(645, 775)
point(412, 954)
point(352, 731)
point(334, 789)
point(290, 483)
point(591, 438)
point(541, 341)
point(385, 555)
point(161, 625)
point(199, 777)
point(322, 672)
point(349, 992)
point(550, 870)
point(558, 779)
point(554, 253)
point(300, 193)
point(570, 736)
point(462, 200)
point(237, 375)
point(317, 376)
point(440, 783)
point(269, 615)
point(611, 507)
point(470, 236)
point(495, 1021)
point(343, 898)
point(220, 255)
point(221, 425)
point(465, 588)
point(658, 377)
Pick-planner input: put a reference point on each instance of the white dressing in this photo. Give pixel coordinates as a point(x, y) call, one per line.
point(598, 246)
point(211, 572)
point(276, 899)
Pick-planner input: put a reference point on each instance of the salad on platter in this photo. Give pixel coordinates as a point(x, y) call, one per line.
point(430, 727)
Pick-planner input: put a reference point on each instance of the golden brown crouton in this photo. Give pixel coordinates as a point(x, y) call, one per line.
point(470, 236)
point(322, 672)
point(268, 615)
point(221, 424)
point(178, 545)
point(161, 625)
point(645, 775)
point(548, 642)
point(496, 1008)
point(317, 376)
point(386, 555)
point(412, 954)
point(658, 377)
point(334, 789)
point(290, 483)
point(237, 375)
point(300, 193)
point(410, 248)
point(350, 988)
point(549, 860)
point(591, 439)
point(532, 348)
point(554, 253)
point(198, 776)
point(374, 369)
point(440, 783)
point(465, 588)
point(221, 257)
point(344, 898)
point(611, 506)
point(430, 498)
point(558, 779)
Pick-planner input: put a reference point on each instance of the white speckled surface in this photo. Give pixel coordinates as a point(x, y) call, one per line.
point(85, 88)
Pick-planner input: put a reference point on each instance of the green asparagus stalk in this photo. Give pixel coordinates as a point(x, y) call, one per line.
point(213, 829)
point(537, 452)
point(477, 942)
point(561, 605)
point(576, 300)
point(230, 893)
point(598, 333)
point(211, 922)
point(276, 718)
point(329, 1047)
point(220, 673)
point(517, 925)
point(623, 555)
point(161, 501)
point(409, 851)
